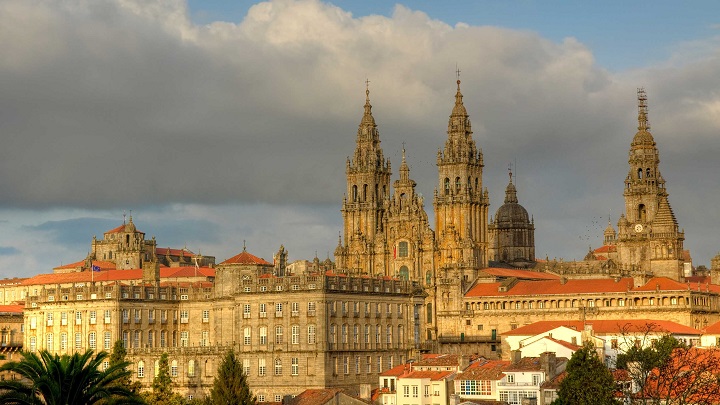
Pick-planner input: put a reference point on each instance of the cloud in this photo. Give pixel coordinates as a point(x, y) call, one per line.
point(129, 104)
point(8, 250)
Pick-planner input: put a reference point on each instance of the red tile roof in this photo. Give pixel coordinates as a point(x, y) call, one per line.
point(606, 249)
point(116, 275)
point(104, 265)
point(442, 360)
point(12, 281)
point(396, 371)
point(713, 329)
point(491, 370)
point(525, 364)
point(520, 274)
point(606, 326)
point(662, 284)
point(15, 309)
point(432, 375)
point(246, 258)
point(173, 252)
point(315, 396)
point(553, 287)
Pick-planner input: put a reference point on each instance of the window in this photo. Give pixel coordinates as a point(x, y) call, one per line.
point(63, 341)
point(344, 333)
point(141, 369)
point(406, 391)
point(278, 367)
point(206, 315)
point(369, 364)
point(50, 343)
point(278, 335)
point(78, 317)
point(33, 343)
point(246, 366)
point(184, 338)
point(63, 318)
point(311, 334)
point(107, 340)
point(295, 334)
point(357, 364)
point(173, 369)
point(346, 364)
point(415, 391)
point(379, 364)
point(403, 249)
point(247, 336)
point(278, 310)
point(263, 310)
point(377, 334)
point(388, 337)
point(263, 335)
point(510, 378)
point(294, 366)
point(184, 316)
point(150, 338)
point(78, 341)
point(295, 309)
point(261, 367)
point(356, 334)
point(205, 339)
point(367, 334)
point(191, 368)
point(138, 315)
point(311, 309)
point(333, 333)
point(246, 311)
point(163, 338)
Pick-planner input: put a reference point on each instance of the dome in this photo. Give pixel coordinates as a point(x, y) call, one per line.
point(511, 212)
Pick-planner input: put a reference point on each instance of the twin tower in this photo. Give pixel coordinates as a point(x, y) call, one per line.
point(387, 232)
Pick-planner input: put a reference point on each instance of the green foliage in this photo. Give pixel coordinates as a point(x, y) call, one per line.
point(588, 381)
point(640, 361)
point(69, 379)
point(230, 385)
point(117, 358)
point(162, 391)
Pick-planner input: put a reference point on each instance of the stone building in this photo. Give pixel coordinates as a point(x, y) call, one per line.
point(512, 233)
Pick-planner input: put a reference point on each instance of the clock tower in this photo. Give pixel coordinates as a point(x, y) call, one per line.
point(649, 240)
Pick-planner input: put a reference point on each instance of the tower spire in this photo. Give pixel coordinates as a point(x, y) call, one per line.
point(643, 124)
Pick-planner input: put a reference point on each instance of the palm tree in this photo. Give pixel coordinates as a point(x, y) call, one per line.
point(49, 379)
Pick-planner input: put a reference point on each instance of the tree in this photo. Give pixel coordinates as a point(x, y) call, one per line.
point(689, 375)
point(230, 385)
point(642, 356)
point(162, 392)
point(117, 357)
point(588, 381)
point(69, 379)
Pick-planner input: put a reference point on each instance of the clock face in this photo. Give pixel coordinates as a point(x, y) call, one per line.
point(638, 228)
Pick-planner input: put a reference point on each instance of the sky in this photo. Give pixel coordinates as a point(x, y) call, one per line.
point(222, 123)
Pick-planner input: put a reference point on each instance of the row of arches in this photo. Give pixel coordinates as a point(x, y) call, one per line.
point(357, 196)
point(447, 189)
point(581, 303)
point(366, 336)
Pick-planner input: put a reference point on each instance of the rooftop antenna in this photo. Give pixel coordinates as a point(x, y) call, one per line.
point(124, 214)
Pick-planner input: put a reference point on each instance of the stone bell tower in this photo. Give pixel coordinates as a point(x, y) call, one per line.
point(649, 240)
point(368, 182)
point(461, 204)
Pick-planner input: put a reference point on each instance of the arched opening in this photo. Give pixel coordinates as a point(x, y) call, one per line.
point(457, 185)
point(403, 249)
point(404, 273)
point(641, 212)
point(639, 173)
point(428, 277)
point(470, 189)
point(647, 173)
point(354, 193)
point(365, 191)
point(447, 186)
point(429, 313)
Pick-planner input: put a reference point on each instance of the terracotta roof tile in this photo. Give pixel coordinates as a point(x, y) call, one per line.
point(520, 274)
point(443, 360)
point(396, 371)
point(662, 284)
point(552, 287)
point(173, 252)
point(432, 375)
point(115, 275)
point(713, 329)
point(606, 249)
point(605, 326)
point(15, 309)
point(246, 258)
point(104, 265)
point(525, 364)
point(315, 396)
point(491, 370)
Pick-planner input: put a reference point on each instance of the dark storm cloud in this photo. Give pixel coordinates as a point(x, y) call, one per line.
point(128, 104)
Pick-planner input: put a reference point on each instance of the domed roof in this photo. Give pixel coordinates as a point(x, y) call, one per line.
point(511, 211)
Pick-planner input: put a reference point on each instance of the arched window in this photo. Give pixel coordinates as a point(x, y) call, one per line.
point(141, 369)
point(388, 337)
point(344, 333)
point(404, 273)
point(447, 186)
point(333, 333)
point(376, 192)
point(365, 192)
point(428, 277)
point(639, 173)
point(470, 189)
point(647, 173)
point(641, 212)
point(457, 185)
point(429, 313)
point(191, 368)
point(157, 368)
point(354, 193)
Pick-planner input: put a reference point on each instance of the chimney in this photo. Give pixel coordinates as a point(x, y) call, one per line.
point(515, 356)
point(463, 362)
point(548, 364)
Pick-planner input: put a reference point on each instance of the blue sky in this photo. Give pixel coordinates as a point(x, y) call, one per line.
point(220, 123)
point(621, 34)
